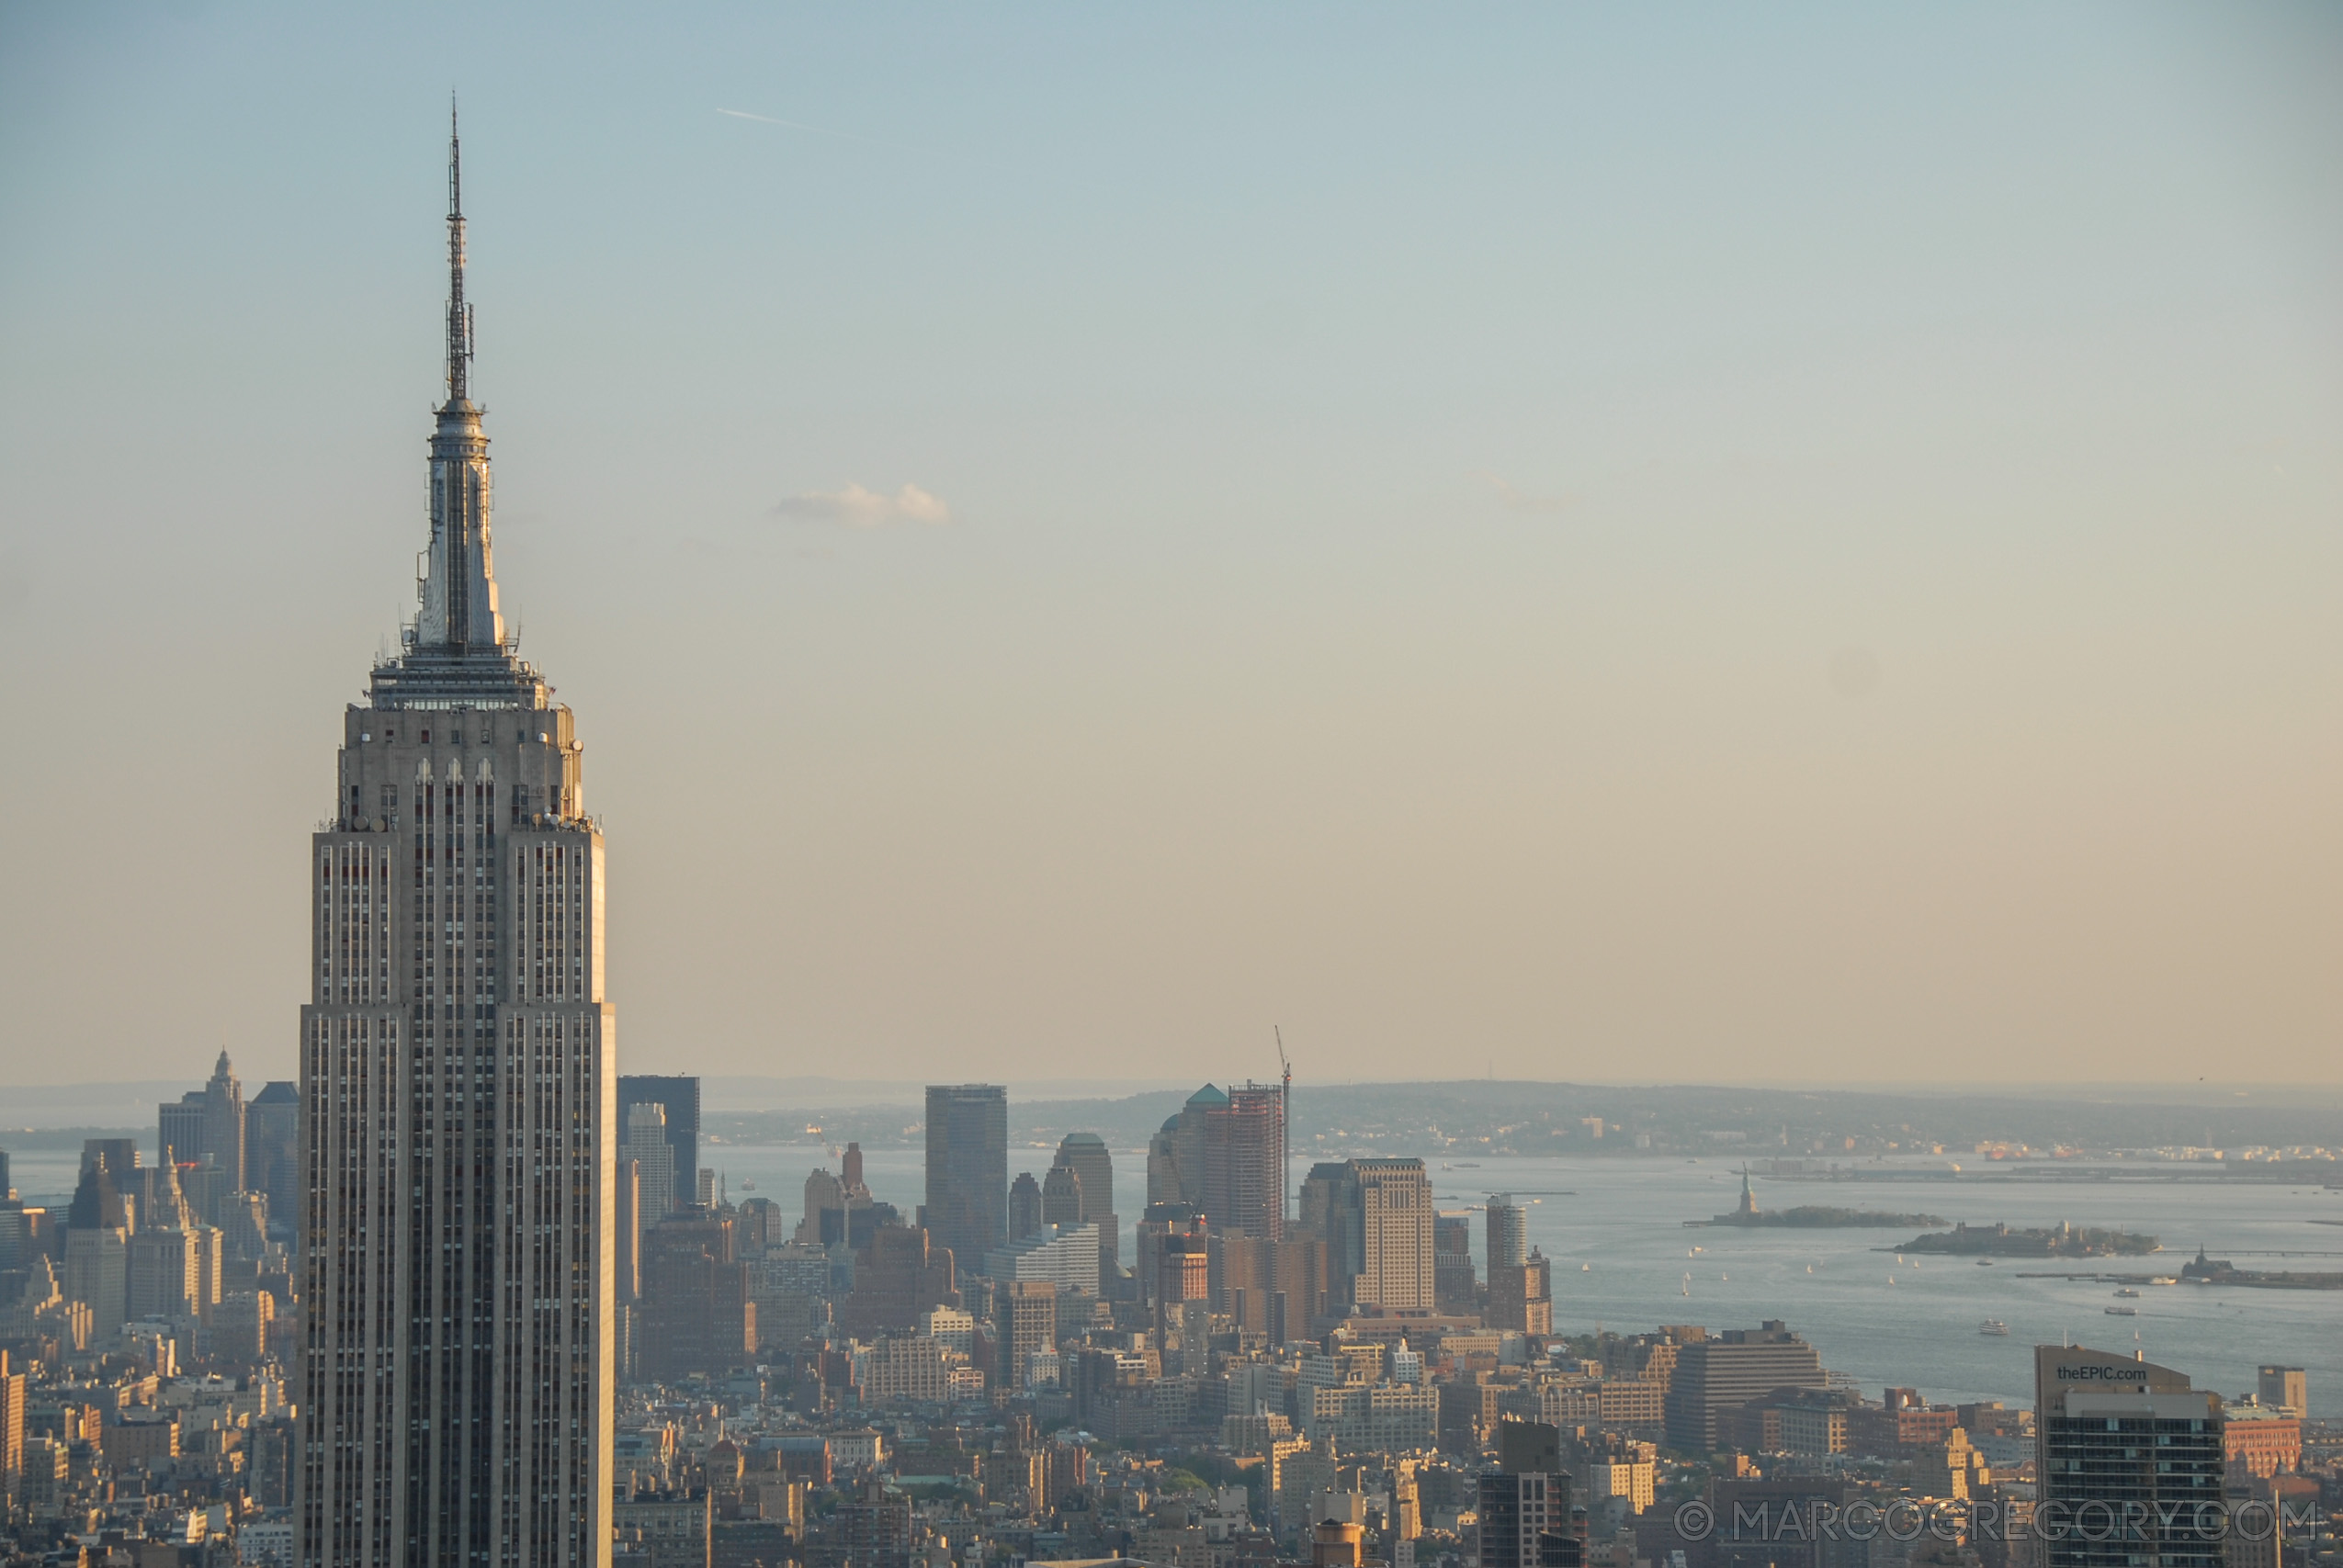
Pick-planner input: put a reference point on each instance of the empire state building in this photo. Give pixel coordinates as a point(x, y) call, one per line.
point(458, 1087)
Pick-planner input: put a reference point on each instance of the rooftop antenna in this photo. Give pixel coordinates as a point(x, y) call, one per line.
point(1284, 1093)
point(460, 315)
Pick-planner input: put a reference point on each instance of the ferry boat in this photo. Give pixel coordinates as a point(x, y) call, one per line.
point(1993, 1327)
point(2129, 1294)
point(2122, 1312)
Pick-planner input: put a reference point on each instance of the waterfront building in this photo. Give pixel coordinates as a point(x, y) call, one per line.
point(459, 1085)
point(1521, 1296)
point(968, 1167)
point(2129, 1460)
point(1508, 1232)
point(1376, 1217)
point(2286, 1387)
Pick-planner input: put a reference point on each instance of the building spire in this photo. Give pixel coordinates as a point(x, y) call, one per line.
point(460, 315)
point(458, 586)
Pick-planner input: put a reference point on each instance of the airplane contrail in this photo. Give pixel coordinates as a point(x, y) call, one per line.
point(800, 125)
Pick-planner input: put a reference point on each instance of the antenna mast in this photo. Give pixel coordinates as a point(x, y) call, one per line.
point(460, 315)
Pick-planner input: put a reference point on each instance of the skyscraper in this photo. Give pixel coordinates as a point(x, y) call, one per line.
point(1244, 1162)
point(2130, 1461)
point(1521, 1296)
point(1508, 1232)
point(97, 1242)
point(643, 1137)
point(223, 1123)
point(968, 1167)
point(458, 1085)
point(1024, 1206)
point(273, 1154)
point(678, 1096)
point(1061, 1197)
point(1395, 1231)
point(1086, 1156)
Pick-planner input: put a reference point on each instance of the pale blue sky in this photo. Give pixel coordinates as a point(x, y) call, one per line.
point(1646, 542)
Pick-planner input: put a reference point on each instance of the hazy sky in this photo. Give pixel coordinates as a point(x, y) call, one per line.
point(1602, 542)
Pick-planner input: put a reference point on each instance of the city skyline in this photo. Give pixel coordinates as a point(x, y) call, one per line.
point(1742, 593)
point(1126, 696)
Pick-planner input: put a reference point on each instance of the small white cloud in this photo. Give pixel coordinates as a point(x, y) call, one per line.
point(856, 507)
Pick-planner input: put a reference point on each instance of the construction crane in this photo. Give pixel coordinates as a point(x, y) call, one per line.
point(1284, 1093)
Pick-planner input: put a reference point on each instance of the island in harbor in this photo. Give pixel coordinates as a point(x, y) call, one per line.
point(2064, 1240)
point(1814, 1216)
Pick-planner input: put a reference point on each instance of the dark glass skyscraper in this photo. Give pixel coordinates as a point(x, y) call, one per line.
point(968, 1167)
point(458, 1089)
point(679, 1097)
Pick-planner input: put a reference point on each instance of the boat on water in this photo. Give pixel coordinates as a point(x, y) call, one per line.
point(747, 1186)
point(2165, 1279)
point(1985, 1262)
point(2128, 1293)
point(2120, 1312)
point(1993, 1328)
